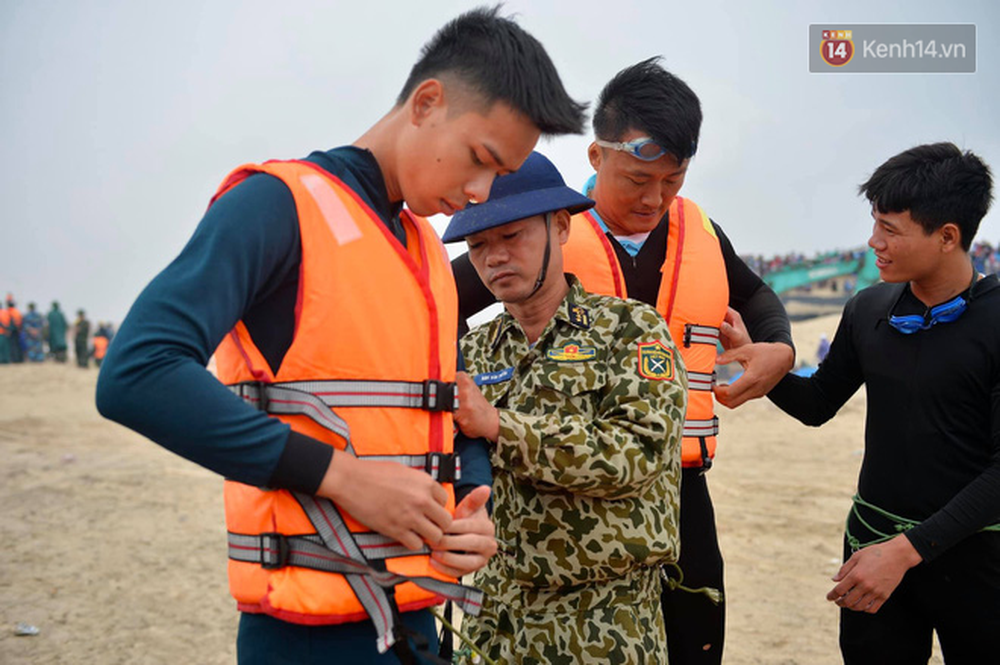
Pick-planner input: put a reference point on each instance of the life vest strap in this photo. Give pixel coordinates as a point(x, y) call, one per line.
point(442, 467)
point(701, 428)
point(696, 334)
point(701, 380)
point(276, 550)
point(429, 395)
point(370, 584)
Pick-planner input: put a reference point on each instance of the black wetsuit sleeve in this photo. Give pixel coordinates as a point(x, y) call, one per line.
point(473, 296)
point(154, 380)
point(815, 399)
point(757, 303)
point(975, 507)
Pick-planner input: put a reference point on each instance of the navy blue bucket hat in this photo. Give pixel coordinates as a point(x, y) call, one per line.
point(534, 189)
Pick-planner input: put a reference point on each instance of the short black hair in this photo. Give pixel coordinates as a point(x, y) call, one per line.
point(497, 59)
point(647, 98)
point(937, 183)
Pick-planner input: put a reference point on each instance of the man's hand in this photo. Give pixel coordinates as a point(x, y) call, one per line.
point(870, 576)
point(404, 504)
point(475, 416)
point(733, 332)
point(469, 542)
point(764, 363)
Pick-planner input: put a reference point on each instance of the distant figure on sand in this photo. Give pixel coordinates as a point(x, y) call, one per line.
point(57, 329)
point(81, 339)
point(823, 348)
point(34, 329)
point(16, 320)
point(102, 338)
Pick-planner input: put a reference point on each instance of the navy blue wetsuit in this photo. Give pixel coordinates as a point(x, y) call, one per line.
point(932, 456)
point(242, 263)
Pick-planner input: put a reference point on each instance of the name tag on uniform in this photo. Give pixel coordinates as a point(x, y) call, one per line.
point(572, 353)
point(489, 378)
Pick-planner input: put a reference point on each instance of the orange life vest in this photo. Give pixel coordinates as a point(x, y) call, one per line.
point(693, 296)
point(100, 346)
point(4, 318)
point(373, 320)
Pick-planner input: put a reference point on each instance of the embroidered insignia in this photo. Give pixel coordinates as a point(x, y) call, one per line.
point(579, 316)
point(489, 378)
point(656, 361)
point(572, 353)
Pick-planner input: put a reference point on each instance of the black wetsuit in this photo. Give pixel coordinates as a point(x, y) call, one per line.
point(932, 455)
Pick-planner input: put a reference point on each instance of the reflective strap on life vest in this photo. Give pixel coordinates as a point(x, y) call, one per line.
point(697, 428)
point(279, 400)
point(442, 467)
point(342, 548)
point(695, 334)
point(700, 381)
point(429, 395)
point(275, 550)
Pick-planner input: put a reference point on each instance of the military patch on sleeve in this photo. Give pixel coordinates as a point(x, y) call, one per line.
point(656, 361)
point(579, 316)
point(571, 353)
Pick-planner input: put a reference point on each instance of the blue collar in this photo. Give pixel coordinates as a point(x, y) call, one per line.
point(630, 246)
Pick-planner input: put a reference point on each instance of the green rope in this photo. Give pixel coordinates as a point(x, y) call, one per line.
point(469, 649)
point(713, 594)
point(899, 524)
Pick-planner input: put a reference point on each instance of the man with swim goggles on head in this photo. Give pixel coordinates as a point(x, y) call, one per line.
point(922, 545)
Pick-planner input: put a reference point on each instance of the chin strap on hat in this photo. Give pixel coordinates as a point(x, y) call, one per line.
point(545, 258)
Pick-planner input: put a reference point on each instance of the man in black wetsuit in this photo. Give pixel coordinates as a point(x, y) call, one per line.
point(922, 547)
point(646, 127)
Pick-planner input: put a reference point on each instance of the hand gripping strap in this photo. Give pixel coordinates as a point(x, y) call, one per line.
point(368, 583)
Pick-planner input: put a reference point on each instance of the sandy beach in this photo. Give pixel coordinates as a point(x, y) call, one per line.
point(114, 549)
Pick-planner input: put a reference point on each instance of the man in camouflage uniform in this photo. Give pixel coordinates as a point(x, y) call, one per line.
point(584, 397)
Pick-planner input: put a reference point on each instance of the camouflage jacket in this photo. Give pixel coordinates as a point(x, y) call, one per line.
point(587, 463)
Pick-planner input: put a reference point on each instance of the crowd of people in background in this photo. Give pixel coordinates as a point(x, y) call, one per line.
point(985, 256)
point(33, 337)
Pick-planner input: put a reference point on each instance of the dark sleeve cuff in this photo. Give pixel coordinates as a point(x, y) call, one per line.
point(302, 465)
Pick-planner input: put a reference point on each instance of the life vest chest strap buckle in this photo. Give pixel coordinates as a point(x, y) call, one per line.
point(444, 467)
point(273, 551)
point(439, 396)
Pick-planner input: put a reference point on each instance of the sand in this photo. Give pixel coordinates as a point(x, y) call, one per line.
point(115, 549)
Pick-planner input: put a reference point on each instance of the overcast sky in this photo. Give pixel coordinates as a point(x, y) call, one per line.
point(119, 119)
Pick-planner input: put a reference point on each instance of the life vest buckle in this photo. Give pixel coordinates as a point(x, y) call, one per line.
point(253, 393)
point(273, 551)
point(439, 395)
point(444, 467)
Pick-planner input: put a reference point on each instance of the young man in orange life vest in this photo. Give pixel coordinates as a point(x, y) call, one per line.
point(643, 241)
point(332, 315)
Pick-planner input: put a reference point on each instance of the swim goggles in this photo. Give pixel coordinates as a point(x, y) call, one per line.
point(645, 148)
point(943, 313)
